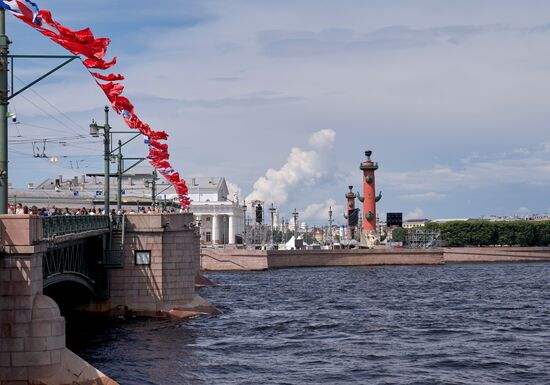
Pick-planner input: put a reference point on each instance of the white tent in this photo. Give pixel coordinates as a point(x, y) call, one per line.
point(294, 244)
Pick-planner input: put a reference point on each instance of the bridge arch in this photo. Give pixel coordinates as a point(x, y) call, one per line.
point(69, 277)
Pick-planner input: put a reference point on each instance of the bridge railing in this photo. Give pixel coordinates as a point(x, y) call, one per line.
point(58, 225)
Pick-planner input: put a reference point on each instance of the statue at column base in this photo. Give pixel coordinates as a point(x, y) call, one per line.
point(370, 239)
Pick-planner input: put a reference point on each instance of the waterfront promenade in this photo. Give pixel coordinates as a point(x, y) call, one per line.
point(250, 260)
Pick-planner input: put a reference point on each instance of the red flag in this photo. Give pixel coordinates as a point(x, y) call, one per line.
point(108, 78)
point(84, 43)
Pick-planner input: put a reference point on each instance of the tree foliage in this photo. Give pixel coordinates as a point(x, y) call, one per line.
point(486, 233)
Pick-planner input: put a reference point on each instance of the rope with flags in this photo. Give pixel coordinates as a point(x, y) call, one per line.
point(84, 44)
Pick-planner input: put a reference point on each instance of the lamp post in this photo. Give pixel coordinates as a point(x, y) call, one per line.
point(4, 46)
point(244, 219)
point(330, 225)
point(94, 131)
point(272, 212)
point(152, 184)
point(295, 216)
point(119, 177)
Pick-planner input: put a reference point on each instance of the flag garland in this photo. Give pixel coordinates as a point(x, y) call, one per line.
point(84, 44)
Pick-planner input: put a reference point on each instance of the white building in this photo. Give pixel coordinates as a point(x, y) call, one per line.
point(221, 219)
point(415, 223)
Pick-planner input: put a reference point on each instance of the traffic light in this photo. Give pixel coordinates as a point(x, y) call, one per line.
point(259, 214)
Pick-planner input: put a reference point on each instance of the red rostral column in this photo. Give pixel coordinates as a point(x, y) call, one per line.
point(350, 196)
point(369, 198)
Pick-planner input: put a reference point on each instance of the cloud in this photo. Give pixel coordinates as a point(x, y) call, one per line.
point(302, 167)
point(427, 196)
point(322, 139)
point(523, 211)
point(234, 191)
point(304, 43)
point(319, 211)
point(415, 214)
point(519, 167)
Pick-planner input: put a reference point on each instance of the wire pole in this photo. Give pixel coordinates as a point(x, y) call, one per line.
point(119, 177)
point(107, 175)
point(4, 47)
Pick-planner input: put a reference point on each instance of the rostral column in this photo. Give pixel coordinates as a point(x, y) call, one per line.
point(350, 196)
point(369, 234)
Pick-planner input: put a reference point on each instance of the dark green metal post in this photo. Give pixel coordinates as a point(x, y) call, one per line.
point(107, 176)
point(154, 188)
point(4, 45)
point(119, 177)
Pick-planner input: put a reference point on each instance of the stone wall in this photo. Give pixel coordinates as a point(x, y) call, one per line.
point(353, 257)
point(249, 260)
point(233, 260)
point(496, 254)
point(245, 260)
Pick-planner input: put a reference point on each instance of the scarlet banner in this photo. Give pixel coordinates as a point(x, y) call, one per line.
point(92, 51)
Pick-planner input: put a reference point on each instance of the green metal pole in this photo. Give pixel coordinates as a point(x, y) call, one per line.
point(119, 177)
point(154, 188)
point(4, 45)
point(107, 176)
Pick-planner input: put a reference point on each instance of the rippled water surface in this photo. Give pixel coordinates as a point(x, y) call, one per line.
point(453, 324)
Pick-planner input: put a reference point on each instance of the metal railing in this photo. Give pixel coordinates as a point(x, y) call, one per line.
point(58, 225)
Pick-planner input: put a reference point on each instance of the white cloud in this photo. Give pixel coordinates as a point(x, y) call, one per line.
point(427, 196)
point(523, 211)
point(524, 168)
point(415, 214)
point(322, 139)
point(234, 191)
point(319, 211)
point(302, 167)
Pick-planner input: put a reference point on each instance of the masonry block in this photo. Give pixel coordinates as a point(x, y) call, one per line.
point(30, 359)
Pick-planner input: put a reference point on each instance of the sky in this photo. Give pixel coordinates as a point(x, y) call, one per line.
point(282, 98)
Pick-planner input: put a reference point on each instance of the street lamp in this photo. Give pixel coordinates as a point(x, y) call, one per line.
point(272, 212)
point(330, 225)
point(295, 216)
point(94, 131)
point(152, 184)
point(244, 211)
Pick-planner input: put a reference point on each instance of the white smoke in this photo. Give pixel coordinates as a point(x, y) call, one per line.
point(301, 167)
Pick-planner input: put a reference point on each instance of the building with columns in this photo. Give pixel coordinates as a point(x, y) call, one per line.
point(221, 217)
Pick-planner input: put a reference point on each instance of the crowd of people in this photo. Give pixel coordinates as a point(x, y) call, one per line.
point(21, 209)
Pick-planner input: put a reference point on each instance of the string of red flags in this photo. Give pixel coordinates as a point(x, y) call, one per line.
point(92, 51)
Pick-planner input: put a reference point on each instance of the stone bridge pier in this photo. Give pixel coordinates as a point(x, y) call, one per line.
point(150, 269)
point(32, 331)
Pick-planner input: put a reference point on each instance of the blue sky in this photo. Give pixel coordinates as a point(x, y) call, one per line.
point(452, 97)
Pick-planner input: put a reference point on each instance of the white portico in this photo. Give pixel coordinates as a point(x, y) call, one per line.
point(221, 219)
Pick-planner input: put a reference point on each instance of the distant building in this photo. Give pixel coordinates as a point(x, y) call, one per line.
point(414, 223)
point(221, 219)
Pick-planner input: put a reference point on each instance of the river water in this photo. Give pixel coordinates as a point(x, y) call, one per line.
point(451, 324)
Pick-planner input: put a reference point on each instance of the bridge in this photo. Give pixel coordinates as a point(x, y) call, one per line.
point(141, 264)
point(78, 250)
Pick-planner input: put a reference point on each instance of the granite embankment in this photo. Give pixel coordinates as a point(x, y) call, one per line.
point(239, 259)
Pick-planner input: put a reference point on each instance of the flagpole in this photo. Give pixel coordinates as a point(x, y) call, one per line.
point(4, 45)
